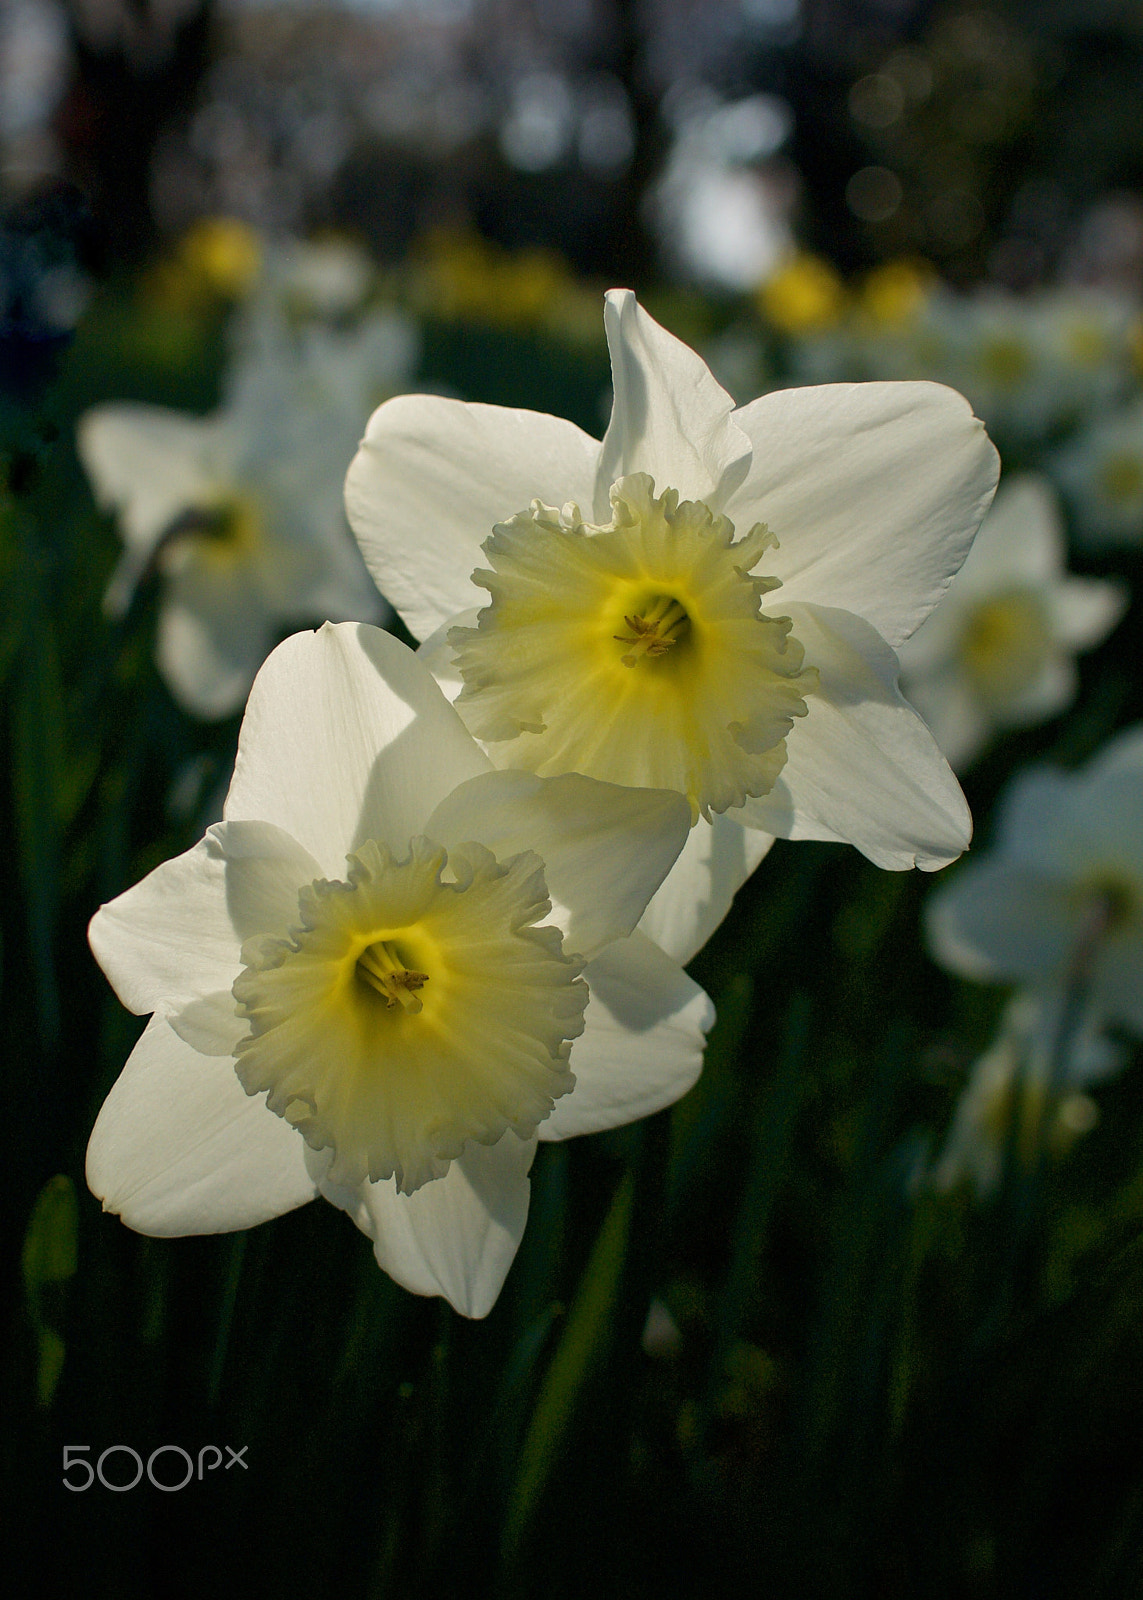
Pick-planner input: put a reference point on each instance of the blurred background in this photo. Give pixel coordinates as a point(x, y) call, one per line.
point(861, 1315)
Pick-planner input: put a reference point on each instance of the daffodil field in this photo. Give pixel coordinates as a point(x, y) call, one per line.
point(573, 927)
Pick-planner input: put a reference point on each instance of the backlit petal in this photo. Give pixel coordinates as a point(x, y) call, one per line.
point(454, 1237)
point(642, 1044)
point(716, 861)
point(347, 738)
point(605, 848)
point(179, 1147)
point(873, 491)
point(670, 417)
point(862, 766)
point(431, 478)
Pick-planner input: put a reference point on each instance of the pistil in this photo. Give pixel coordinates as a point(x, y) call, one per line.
point(379, 966)
point(653, 632)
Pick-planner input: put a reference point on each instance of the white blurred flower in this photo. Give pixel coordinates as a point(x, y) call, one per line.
point(636, 640)
point(328, 277)
point(1101, 472)
point(1032, 1072)
point(1031, 365)
point(999, 651)
point(398, 1035)
point(1058, 901)
point(241, 512)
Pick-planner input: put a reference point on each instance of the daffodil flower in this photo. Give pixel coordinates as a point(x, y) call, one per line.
point(999, 651)
point(240, 512)
point(385, 975)
point(1058, 901)
point(1101, 474)
point(1032, 1074)
point(707, 601)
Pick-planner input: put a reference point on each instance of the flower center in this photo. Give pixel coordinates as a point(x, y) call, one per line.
point(654, 630)
point(716, 681)
point(1006, 645)
point(215, 538)
point(414, 1008)
point(380, 967)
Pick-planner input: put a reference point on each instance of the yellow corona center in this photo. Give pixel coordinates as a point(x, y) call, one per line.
point(1121, 478)
point(1006, 646)
point(213, 539)
point(381, 968)
point(414, 1007)
point(635, 652)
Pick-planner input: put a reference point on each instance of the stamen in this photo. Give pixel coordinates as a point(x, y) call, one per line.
point(382, 970)
point(654, 631)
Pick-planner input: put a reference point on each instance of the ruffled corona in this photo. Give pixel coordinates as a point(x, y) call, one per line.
point(636, 653)
point(416, 1007)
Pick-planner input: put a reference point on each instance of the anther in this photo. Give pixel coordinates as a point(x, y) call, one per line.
point(383, 972)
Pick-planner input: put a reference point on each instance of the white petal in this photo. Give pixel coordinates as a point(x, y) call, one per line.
point(670, 416)
point(873, 490)
point(149, 464)
point(440, 657)
point(999, 922)
point(347, 738)
point(1021, 541)
point(456, 1236)
point(208, 661)
point(1123, 754)
point(432, 478)
point(1083, 611)
point(177, 934)
point(641, 1049)
point(1055, 686)
point(717, 859)
point(862, 766)
point(952, 712)
point(605, 849)
point(179, 1147)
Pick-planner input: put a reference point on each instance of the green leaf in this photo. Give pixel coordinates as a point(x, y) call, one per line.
point(584, 1334)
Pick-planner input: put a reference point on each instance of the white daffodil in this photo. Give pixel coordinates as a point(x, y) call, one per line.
point(1101, 473)
point(1035, 1070)
point(999, 651)
point(707, 601)
point(1059, 899)
point(240, 512)
point(385, 975)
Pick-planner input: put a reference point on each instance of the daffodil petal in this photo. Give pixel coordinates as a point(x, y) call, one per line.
point(1084, 610)
point(670, 418)
point(179, 1147)
point(642, 1044)
point(952, 713)
point(696, 894)
point(431, 479)
point(208, 659)
point(149, 464)
point(862, 766)
point(1000, 922)
point(178, 932)
point(873, 491)
point(456, 1236)
point(352, 712)
point(605, 848)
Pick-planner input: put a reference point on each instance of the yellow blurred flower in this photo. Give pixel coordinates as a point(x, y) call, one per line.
point(466, 277)
point(893, 293)
point(803, 296)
